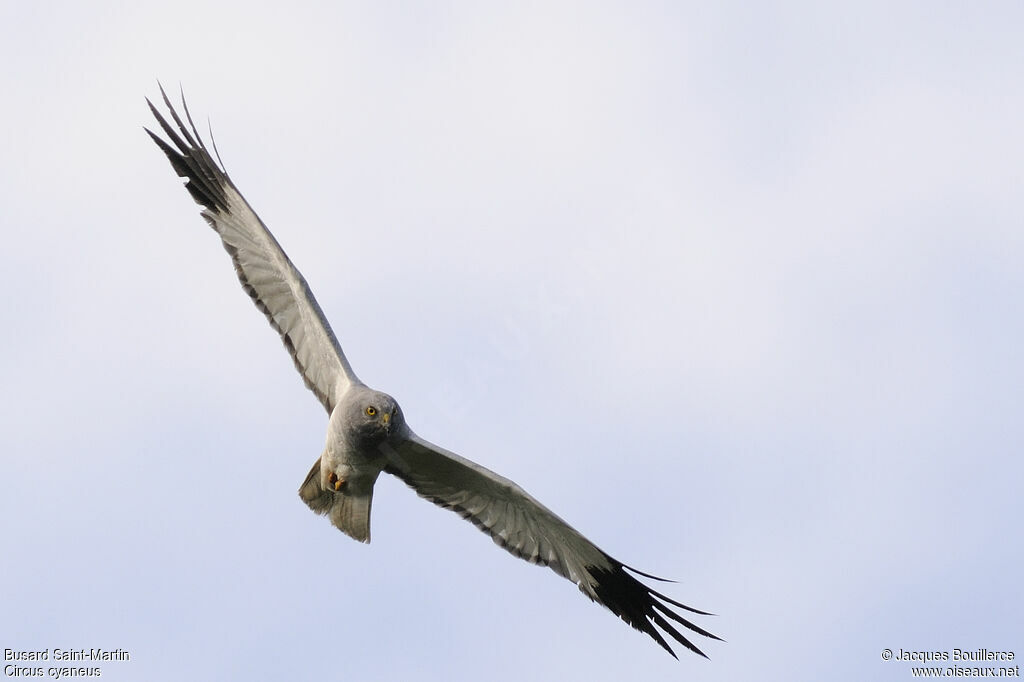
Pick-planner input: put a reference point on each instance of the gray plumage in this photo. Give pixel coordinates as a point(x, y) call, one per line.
point(367, 433)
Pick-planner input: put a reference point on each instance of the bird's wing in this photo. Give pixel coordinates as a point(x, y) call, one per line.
point(531, 531)
point(267, 275)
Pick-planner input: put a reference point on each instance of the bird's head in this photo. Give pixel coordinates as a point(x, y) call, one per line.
point(370, 418)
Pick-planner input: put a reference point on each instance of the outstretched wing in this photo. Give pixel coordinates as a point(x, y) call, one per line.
point(531, 531)
point(267, 275)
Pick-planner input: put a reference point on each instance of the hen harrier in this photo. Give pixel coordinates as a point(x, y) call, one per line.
point(367, 432)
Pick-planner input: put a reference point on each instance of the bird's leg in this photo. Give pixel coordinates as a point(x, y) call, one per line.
point(335, 481)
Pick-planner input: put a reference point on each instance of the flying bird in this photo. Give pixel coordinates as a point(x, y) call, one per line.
point(367, 432)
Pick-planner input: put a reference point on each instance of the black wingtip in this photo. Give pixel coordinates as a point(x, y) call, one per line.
point(189, 156)
point(643, 608)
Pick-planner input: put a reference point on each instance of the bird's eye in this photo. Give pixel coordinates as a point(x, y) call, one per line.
point(371, 411)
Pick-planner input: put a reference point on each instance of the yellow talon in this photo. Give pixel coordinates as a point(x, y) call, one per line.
point(335, 481)
point(338, 484)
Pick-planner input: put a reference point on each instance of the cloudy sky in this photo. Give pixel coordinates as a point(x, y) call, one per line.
point(735, 290)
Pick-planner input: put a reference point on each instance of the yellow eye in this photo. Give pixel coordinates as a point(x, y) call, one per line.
point(371, 410)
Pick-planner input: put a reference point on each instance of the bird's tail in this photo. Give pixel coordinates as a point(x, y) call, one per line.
point(348, 508)
point(351, 514)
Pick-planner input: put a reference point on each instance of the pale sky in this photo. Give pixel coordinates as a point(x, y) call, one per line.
point(736, 291)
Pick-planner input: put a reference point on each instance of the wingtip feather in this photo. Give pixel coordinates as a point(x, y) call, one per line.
point(639, 606)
